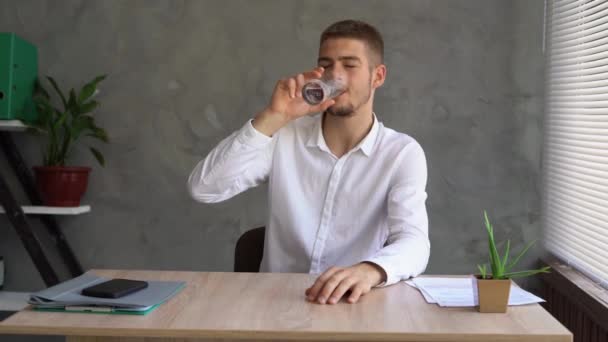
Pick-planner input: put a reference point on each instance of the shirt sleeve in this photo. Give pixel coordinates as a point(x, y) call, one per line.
point(407, 251)
point(239, 162)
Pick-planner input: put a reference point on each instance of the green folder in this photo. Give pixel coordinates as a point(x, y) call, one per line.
point(18, 75)
point(111, 311)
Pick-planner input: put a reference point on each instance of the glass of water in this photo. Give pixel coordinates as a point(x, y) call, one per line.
point(320, 90)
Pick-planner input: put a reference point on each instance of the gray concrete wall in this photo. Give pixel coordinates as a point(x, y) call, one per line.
point(465, 79)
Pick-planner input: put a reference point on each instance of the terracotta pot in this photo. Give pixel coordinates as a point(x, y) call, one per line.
point(493, 294)
point(62, 186)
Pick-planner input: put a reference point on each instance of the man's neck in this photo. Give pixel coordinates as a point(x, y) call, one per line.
point(342, 133)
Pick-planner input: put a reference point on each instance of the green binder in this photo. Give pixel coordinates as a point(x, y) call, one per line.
point(18, 75)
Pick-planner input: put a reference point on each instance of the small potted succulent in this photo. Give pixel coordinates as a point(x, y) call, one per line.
point(59, 184)
point(493, 288)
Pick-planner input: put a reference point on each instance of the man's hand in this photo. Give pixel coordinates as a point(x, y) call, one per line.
point(335, 282)
point(287, 103)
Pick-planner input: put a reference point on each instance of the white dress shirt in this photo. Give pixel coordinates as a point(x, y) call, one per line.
point(368, 205)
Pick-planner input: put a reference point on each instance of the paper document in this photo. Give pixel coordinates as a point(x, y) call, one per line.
point(460, 292)
point(426, 296)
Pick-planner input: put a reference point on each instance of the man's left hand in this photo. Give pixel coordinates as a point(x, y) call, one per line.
point(335, 282)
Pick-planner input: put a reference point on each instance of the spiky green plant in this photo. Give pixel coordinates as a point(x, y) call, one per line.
point(499, 267)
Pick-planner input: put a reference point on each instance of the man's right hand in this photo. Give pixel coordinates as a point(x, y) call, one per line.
point(287, 103)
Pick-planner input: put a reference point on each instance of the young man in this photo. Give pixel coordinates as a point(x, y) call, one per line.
point(346, 194)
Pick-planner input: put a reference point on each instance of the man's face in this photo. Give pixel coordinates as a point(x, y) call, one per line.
point(348, 59)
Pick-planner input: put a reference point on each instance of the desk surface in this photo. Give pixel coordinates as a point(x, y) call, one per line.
point(272, 306)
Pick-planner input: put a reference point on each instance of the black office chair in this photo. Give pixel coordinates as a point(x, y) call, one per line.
point(249, 250)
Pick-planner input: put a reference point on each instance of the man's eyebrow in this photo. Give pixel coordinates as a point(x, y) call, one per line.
point(341, 58)
point(350, 58)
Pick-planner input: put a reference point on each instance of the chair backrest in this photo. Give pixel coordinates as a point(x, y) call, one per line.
point(249, 250)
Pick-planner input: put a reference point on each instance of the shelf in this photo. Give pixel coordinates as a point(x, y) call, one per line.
point(12, 125)
point(42, 210)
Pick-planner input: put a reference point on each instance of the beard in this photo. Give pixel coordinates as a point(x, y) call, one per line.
point(349, 109)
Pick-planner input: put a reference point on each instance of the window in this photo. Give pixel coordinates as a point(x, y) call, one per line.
point(575, 151)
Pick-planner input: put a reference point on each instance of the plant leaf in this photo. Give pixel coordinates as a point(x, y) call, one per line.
point(72, 104)
point(50, 150)
point(89, 89)
point(521, 254)
point(46, 112)
point(39, 91)
point(81, 124)
point(483, 270)
point(88, 107)
point(99, 133)
point(59, 122)
point(506, 257)
point(527, 273)
point(65, 145)
point(495, 263)
point(54, 84)
point(98, 156)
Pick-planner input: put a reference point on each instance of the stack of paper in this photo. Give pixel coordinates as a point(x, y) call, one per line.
point(461, 292)
point(67, 297)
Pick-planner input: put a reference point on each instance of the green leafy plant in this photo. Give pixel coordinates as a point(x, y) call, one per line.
point(500, 267)
point(64, 127)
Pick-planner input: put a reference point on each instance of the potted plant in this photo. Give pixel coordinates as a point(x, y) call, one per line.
point(59, 184)
point(493, 288)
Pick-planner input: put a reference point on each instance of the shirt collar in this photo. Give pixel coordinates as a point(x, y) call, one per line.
point(366, 145)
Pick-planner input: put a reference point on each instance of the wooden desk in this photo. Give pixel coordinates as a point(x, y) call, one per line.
point(263, 306)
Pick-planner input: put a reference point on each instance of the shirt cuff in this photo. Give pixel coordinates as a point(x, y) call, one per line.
point(250, 136)
point(390, 275)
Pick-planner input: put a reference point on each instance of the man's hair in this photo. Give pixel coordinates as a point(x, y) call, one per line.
point(358, 30)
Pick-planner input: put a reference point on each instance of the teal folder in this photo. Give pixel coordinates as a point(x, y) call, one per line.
point(110, 311)
point(67, 297)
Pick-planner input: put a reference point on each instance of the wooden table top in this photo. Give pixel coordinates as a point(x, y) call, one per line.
point(273, 306)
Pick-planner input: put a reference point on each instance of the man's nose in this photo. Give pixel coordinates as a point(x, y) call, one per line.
point(336, 72)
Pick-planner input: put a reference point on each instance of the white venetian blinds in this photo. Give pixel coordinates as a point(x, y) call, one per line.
point(575, 163)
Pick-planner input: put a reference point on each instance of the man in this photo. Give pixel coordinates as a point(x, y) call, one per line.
point(346, 194)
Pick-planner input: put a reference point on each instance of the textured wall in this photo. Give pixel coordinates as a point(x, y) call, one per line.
point(465, 79)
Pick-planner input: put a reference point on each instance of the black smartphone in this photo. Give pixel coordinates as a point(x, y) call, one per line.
point(114, 288)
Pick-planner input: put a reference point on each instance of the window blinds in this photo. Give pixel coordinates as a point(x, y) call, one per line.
point(575, 156)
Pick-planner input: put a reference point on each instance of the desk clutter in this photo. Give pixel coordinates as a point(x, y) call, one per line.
point(462, 292)
point(68, 297)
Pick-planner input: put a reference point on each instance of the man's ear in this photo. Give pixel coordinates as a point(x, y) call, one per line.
point(379, 75)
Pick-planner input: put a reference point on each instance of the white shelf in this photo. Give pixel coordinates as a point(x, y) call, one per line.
point(42, 210)
point(12, 125)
